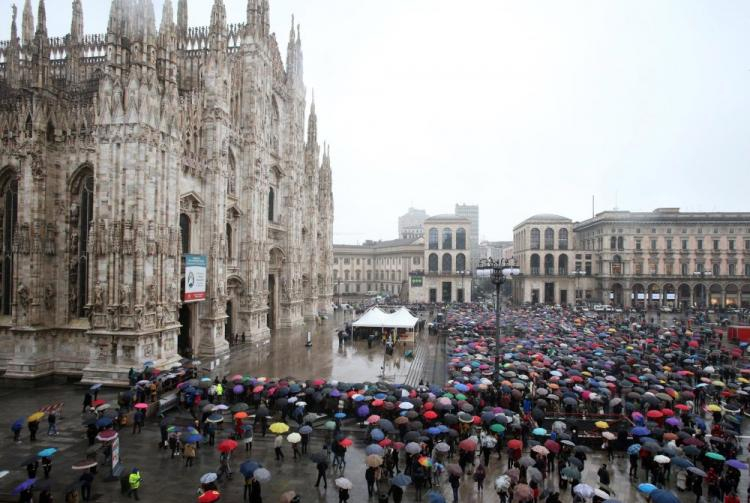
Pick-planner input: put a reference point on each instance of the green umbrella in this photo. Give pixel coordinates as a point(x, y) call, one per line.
point(716, 456)
point(330, 425)
point(497, 428)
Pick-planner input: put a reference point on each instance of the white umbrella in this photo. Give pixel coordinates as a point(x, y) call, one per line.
point(262, 475)
point(406, 406)
point(343, 483)
point(502, 482)
point(584, 490)
point(207, 478)
point(662, 459)
point(294, 438)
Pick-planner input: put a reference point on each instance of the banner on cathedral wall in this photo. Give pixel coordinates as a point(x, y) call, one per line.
point(195, 278)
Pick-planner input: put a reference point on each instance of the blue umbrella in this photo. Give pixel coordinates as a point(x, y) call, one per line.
point(634, 449)
point(435, 497)
point(194, 438)
point(363, 411)
point(248, 467)
point(462, 387)
point(374, 449)
point(640, 431)
point(339, 415)
point(539, 431)
point(95, 387)
point(306, 429)
point(377, 434)
point(207, 478)
point(45, 453)
point(148, 363)
point(104, 422)
point(401, 480)
point(663, 496)
point(434, 430)
point(18, 423)
point(680, 462)
point(646, 488)
point(26, 484)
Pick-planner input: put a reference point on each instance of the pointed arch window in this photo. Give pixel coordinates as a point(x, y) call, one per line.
point(10, 219)
point(185, 232)
point(229, 241)
point(82, 194)
point(271, 202)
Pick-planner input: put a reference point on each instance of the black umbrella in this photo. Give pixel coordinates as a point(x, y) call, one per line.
point(29, 460)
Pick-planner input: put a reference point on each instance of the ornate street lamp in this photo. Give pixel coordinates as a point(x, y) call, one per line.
point(498, 271)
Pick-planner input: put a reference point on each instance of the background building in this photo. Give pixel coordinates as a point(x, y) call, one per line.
point(495, 250)
point(126, 150)
point(643, 259)
point(471, 212)
point(410, 224)
point(446, 250)
point(376, 267)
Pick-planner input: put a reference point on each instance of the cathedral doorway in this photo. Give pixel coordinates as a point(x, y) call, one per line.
point(229, 323)
point(185, 339)
point(272, 302)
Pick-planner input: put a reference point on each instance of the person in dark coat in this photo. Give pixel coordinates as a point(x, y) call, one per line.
point(33, 428)
point(86, 479)
point(254, 495)
point(603, 475)
point(322, 466)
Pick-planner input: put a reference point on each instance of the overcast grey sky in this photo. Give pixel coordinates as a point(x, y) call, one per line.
point(520, 107)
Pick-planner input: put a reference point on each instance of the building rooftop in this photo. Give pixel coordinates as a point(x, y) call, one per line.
point(448, 217)
point(369, 244)
point(545, 218)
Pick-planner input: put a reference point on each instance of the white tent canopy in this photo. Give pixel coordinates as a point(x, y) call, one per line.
point(376, 318)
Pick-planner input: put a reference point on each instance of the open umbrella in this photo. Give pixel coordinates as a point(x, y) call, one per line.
point(584, 490)
point(279, 428)
point(523, 492)
point(209, 496)
point(663, 496)
point(373, 460)
point(227, 445)
point(401, 480)
point(23, 486)
point(84, 465)
point(45, 453)
point(207, 478)
point(294, 438)
point(343, 483)
point(262, 475)
point(248, 467)
point(106, 435)
point(646, 488)
point(454, 469)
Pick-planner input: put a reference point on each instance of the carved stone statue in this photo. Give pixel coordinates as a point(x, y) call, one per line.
point(98, 296)
point(73, 302)
point(127, 238)
point(24, 297)
point(49, 240)
point(150, 297)
point(125, 295)
point(74, 242)
point(50, 293)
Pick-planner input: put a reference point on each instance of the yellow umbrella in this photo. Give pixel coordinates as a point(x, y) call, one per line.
point(602, 424)
point(36, 416)
point(742, 380)
point(279, 428)
point(718, 383)
point(713, 408)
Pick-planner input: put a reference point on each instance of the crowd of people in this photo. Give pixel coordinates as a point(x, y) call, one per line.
point(521, 418)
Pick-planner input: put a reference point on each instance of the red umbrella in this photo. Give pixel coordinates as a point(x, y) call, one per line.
point(347, 442)
point(468, 445)
point(227, 445)
point(398, 445)
point(209, 496)
point(552, 446)
point(654, 414)
point(318, 382)
point(141, 405)
point(385, 442)
point(258, 389)
point(97, 403)
point(430, 415)
point(667, 412)
point(682, 407)
point(515, 444)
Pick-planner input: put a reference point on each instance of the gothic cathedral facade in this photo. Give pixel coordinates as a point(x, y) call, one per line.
point(123, 152)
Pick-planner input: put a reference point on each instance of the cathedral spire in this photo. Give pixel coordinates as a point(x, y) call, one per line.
point(182, 18)
point(253, 17)
point(27, 24)
point(218, 17)
point(76, 22)
point(266, 19)
point(312, 124)
point(114, 24)
point(11, 56)
point(41, 21)
point(167, 18)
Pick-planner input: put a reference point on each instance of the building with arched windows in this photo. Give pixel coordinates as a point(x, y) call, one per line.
point(659, 259)
point(447, 256)
point(125, 151)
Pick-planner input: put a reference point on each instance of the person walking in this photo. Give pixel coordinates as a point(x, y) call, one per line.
point(455, 482)
point(189, 453)
point(134, 481)
point(295, 451)
point(46, 466)
point(224, 468)
point(253, 493)
point(397, 493)
point(277, 443)
point(248, 437)
point(52, 423)
point(33, 428)
point(137, 421)
point(87, 399)
point(370, 479)
point(16, 429)
point(174, 445)
point(86, 479)
point(603, 474)
point(479, 476)
point(343, 495)
point(322, 467)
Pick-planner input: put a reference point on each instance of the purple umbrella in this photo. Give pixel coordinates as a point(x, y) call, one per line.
point(363, 411)
point(335, 393)
point(26, 484)
point(238, 388)
point(673, 421)
point(737, 464)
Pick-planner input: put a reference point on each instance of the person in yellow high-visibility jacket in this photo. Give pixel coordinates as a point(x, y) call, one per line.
point(220, 393)
point(135, 483)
